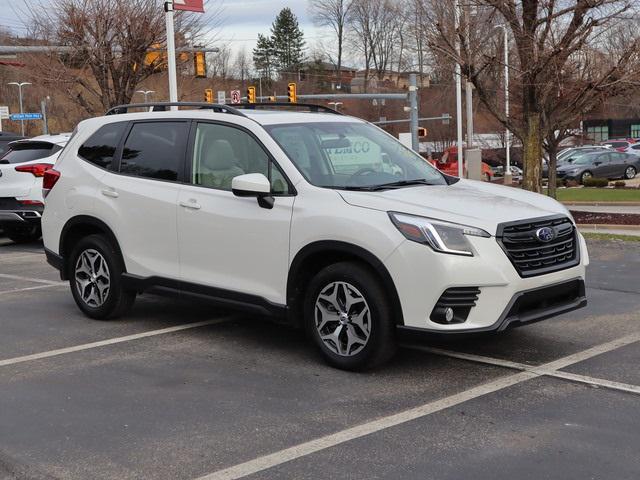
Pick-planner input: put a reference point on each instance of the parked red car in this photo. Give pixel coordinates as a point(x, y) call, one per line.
point(449, 164)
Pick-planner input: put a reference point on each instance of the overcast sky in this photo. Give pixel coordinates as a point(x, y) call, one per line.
point(242, 20)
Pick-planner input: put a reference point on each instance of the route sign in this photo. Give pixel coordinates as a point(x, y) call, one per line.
point(235, 96)
point(26, 116)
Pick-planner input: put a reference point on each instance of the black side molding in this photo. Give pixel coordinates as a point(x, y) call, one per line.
point(56, 261)
point(228, 298)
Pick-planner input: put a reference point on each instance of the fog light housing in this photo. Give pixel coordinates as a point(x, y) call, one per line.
point(454, 305)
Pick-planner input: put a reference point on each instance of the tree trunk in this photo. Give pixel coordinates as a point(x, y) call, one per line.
point(532, 154)
point(553, 176)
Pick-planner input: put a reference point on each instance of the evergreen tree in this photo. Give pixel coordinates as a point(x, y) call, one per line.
point(288, 41)
point(264, 57)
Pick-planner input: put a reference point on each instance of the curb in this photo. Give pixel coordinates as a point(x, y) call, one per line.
point(604, 226)
point(602, 204)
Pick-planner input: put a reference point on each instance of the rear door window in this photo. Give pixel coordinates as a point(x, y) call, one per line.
point(100, 148)
point(29, 151)
point(155, 150)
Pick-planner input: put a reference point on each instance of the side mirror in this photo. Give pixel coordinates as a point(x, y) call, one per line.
point(253, 185)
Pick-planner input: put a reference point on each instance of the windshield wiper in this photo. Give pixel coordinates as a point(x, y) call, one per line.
point(403, 183)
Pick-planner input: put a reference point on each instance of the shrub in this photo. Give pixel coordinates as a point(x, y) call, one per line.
point(596, 182)
point(620, 184)
point(572, 183)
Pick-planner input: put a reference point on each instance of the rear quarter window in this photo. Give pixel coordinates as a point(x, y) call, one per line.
point(100, 148)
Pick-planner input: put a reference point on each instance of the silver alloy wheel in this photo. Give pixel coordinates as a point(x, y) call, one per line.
point(343, 319)
point(630, 173)
point(92, 277)
point(586, 176)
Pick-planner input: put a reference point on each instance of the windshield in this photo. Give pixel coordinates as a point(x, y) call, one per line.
point(352, 156)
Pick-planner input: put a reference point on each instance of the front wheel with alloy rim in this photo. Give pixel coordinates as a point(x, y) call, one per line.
point(95, 275)
point(348, 315)
point(630, 173)
point(585, 176)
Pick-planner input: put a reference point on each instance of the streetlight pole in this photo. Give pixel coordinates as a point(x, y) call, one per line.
point(507, 134)
point(458, 75)
point(20, 85)
point(146, 93)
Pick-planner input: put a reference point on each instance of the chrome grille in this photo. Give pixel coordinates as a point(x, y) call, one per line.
point(532, 256)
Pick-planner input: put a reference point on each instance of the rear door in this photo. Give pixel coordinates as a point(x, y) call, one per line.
point(138, 196)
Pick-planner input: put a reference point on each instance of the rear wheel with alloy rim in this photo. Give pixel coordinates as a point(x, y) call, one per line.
point(23, 233)
point(349, 318)
point(630, 173)
point(95, 269)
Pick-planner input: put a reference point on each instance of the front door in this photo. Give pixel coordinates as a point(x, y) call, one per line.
point(227, 242)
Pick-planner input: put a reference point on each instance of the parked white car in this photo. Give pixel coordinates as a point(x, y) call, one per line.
point(276, 212)
point(22, 169)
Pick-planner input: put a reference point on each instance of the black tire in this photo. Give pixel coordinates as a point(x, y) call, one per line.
point(630, 173)
point(116, 301)
point(23, 234)
point(584, 176)
point(381, 343)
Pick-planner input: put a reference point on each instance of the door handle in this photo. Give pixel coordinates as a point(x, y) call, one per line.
point(192, 204)
point(110, 192)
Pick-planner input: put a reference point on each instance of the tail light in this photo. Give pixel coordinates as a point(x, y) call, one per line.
point(51, 176)
point(36, 169)
point(34, 203)
point(621, 149)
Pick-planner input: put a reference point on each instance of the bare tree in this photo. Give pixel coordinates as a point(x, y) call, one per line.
point(111, 44)
point(242, 65)
point(334, 14)
point(219, 62)
point(553, 81)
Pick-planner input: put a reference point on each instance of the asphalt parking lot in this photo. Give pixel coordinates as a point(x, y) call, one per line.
point(182, 390)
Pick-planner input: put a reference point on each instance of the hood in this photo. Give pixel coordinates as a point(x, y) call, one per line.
point(473, 203)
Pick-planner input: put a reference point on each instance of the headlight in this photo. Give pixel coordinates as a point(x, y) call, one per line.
point(442, 236)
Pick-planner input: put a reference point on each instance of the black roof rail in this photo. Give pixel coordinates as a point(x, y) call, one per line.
point(267, 105)
point(163, 106)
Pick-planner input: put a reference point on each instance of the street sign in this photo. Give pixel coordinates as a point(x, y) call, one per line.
point(189, 5)
point(235, 96)
point(4, 112)
point(25, 116)
point(222, 97)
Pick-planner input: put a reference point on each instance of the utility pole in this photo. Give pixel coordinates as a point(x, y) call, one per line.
point(171, 53)
point(507, 133)
point(413, 105)
point(458, 75)
point(468, 86)
point(20, 85)
point(45, 122)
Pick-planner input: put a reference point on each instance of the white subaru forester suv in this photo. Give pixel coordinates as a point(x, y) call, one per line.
point(320, 219)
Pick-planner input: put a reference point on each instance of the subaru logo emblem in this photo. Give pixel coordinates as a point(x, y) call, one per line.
point(545, 234)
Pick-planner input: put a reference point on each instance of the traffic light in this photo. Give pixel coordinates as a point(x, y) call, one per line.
point(291, 93)
point(422, 132)
point(200, 64)
point(251, 95)
point(208, 95)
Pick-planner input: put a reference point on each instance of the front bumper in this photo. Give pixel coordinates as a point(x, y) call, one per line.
point(421, 276)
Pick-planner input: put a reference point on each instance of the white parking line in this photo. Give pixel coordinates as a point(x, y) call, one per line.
point(110, 341)
point(28, 279)
point(288, 454)
point(39, 287)
point(550, 369)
